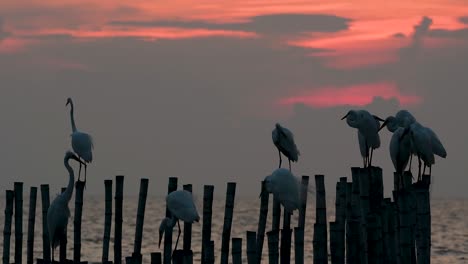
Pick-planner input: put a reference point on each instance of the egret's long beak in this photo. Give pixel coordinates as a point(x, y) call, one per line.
point(68, 102)
point(378, 118)
point(345, 116)
point(383, 125)
point(160, 238)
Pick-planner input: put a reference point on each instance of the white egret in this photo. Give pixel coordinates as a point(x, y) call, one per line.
point(400, 146)
point(368, 136)
point(58, 212)
point(180, 204)
point(82, 143)
point(285, 186)
point(283, 139)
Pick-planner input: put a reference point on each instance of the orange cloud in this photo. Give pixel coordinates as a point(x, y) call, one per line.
point(354, 95)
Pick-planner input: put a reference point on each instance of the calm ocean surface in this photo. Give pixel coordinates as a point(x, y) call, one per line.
point(449, 227)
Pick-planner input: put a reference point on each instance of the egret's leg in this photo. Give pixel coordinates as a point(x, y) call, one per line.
point(289, 164)
point(370, 161)
point(410, 159)
point(424, 172)
point(419, 165)
point(79, 172)
point(430, 170)
point(177, 241)
point(279, 154)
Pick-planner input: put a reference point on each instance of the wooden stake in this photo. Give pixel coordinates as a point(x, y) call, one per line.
point(45, 232)
point(18, 187)
point(136, 256)
point(264, 197)
point(207, 212)
point(156, 258)
point(320, 227)
point(251, 247)
point(107, 220)
point(187, 226)
point(7, 227)
point(31, 223)
point(299, 245)
point(236, 250)
point(119, 185)
point(228, 212)
point(172, 186)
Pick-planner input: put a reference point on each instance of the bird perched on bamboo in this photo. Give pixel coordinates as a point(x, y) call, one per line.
point(58, 212)
point(283, 139)
point(181, 206)
point(368, 136)
point(285, 186)
point(82, 143)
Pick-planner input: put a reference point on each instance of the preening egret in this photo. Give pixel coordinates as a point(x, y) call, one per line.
point(58, 212)
point(180, 204)
point(82, 143)
point(283, 139)
point(285, 186)
point(368, 136)
point(400, 145)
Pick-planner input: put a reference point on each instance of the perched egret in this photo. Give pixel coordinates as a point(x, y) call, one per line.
point(283, 139)
point(82, 143)
point(285, 186)
point(368, 136)
point(58, 212)
point(400, 145)
point(180, 204)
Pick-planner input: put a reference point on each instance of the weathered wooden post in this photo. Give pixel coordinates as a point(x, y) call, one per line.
point(388, 233)
point(355, 221)
point(172, 186)
point(376, 189)
point(7, 227)
point(264, 197)
point(364, 186)
point(209, 253)
point(228, 212)
point(340, 219)
point(423, 219)
point(207, 213)
point(45, 233)
point(107, 221)
point(136, 256)
point(405, 226)
point(119, 184)
point(251, 247)
point(63, 243)
point(18, 187)
point(286, 233)
point(273, 254)
point(334, 242)
point(236, 250)
point(31, 223)
point(374, 241)
point(275, 223)
point(77, 222)
point(187, 227)
point(320, 226)
point(156, 258)
point(351, 248)
point(299, 234)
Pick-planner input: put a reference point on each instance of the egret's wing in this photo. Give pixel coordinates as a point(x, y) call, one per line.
point(437, 146)
point(181, 205)
point(423, 144)
point(82, 144)
point(287, 144)
point(362, 144)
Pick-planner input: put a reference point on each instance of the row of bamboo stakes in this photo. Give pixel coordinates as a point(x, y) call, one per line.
point(367, 228)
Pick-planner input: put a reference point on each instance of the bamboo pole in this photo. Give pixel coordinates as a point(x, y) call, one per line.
point(18, 187)
point(320, 227)
point(364, 186)
point(298, 234)
point(374, 240)
point(264, 197)
point(45, 233)
point(286, 233)
point(334, 242)
point(273, 254)
point(119, 185)
point(356, 252)
point(136, 256)
point(63, 242)
point(187, 228)
point(210, 256)
point(31, 222)
point(207, 213)
point(396, 222)
point(107, 220)
point(299, 244)
point(423, 220)
point(171, 186)
point(228, 212)
point(251, 247)
point(405, 226)
point(236, 250)
point(376, 189)
point(340, 219)
point(388, 232)
point(77, 221)
point(350, 248)
point(276, 214)
point(156, 258)
point(7, 226)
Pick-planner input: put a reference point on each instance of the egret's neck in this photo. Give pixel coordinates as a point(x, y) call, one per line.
point(72, 117)
point(69, 191)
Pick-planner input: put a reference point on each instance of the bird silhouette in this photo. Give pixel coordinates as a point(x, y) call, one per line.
point(368, 136)
point(181, 206)
point(283, 139)
point(285, 187)
point(82, 143)
point(58, 212)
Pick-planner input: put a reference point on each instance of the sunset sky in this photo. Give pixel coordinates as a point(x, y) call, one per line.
point(193, 88)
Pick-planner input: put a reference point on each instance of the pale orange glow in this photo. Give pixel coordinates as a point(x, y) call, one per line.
point(354, 95)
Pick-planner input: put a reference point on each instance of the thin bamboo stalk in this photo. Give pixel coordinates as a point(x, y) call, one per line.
point(119, 185)
point(236, 250)
point(299, 244)
point(340, 219)
point(77, 221)
point(7, 226)
point(107, 220)
point(18, 187)
point(187, 227)
point(45, 233)
point(251, 247)
point(210, 256)
point(228, 212)
point(273, 254)
point(207, 213)
point(171, 186)
point(31, 223)
point(264, 197)
point(136, 256)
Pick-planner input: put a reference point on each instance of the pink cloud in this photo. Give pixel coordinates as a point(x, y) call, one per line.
point(354, 95)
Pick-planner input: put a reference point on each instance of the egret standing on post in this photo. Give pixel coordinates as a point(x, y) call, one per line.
point(180, 204)
point(283, 139)
point(285, 187)
point(368, 136)
point(82, 143)
point(58, 212)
